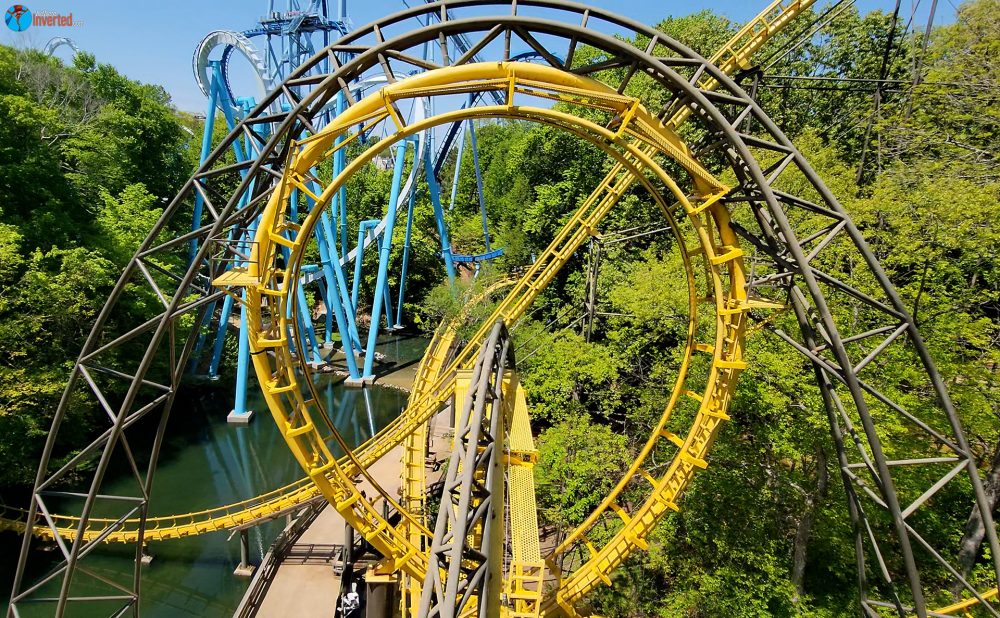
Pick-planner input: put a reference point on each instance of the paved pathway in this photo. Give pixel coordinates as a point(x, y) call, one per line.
point(305, 585)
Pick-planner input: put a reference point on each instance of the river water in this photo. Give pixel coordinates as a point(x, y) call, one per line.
point(206, 462)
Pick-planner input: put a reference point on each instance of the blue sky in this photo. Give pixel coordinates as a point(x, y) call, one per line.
point(153, 41)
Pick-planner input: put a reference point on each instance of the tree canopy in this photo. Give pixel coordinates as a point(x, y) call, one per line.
point(87, 157)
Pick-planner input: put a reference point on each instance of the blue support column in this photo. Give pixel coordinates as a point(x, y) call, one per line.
point(339, 163)
point(328, 260)
point(206, 323)
point(359, 256)
point(241, 149)
point(215, 87)
point(220, 335)
point(206, 149)
point(240, 414)
point(458, 170)
point(308, 344)
point(220, 339)
point(435, 193)
point(350, 336)
point(386, 293)
point(383, 262)
point(479, 185)
point(406, 257)
point(285, 51)
point(295, 343)
point(325, 291)
point(307, 332)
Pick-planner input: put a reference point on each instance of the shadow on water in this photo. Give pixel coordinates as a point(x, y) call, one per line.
point(205, 463)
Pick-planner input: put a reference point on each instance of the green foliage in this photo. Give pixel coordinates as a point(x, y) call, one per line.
point(86, 157)
point(124, 221)
point(43, 318)
point(950, 125)
point(10, 253)
point(534, 177)
point(579, 462)
point(651, 298)
point(705, 32)
point(564, 375)
point(764, 531)
point(444, 303)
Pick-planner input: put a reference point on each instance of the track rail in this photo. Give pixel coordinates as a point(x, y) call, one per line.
point(277, 369)
point(258, 509)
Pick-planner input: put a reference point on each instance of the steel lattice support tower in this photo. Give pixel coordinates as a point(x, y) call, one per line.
point(463, 553)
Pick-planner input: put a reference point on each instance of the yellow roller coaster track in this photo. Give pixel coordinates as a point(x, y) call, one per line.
point(732, 56)
point(635, 144)
point(260, 508)
point(263, 507)
point(413, 477)
point(637, 133)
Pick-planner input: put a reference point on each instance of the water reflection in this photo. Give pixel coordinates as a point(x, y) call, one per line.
point(205, 463)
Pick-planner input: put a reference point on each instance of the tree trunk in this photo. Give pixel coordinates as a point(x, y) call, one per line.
point(803, 531)
point(974, 529)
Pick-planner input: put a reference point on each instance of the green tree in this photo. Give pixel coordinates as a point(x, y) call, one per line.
point(87, 158)
point(579, 462)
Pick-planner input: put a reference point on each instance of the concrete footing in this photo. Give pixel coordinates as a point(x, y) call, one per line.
point(380, 597)
point(235, 418)
point(244, 568)
point(359, 382)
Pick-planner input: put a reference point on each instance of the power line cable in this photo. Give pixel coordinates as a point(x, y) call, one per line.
point(877, 99)
point(919, 61)
point(953, 93)
point(802, 38)
point(868, 80)
point(906, 30)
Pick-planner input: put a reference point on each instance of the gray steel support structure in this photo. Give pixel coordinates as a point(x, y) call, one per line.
point(141, 360)
point(462, 559)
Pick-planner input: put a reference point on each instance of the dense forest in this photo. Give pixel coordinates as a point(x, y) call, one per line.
point(88, 157)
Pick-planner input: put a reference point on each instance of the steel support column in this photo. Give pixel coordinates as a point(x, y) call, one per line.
point(385, 247)
point(462, 556)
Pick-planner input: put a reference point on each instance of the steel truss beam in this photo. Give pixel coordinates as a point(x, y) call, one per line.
point(463, 556)
point(790, 231)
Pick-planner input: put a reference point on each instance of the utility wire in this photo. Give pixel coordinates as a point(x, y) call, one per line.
point(906, 30)
point(530, 316)
point(801, 39)
point(954, 93)
point(918, 63)
point(544, 328)
point(638, 235)
point(866, 80)
point(567, 327)
point(882, 74)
